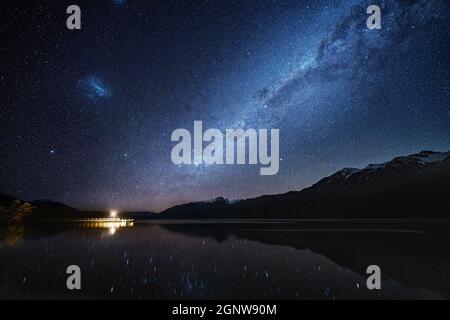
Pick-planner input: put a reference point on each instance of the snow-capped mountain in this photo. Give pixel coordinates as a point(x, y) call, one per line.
point(401, 172)
point(416, 160)
point(411, 186)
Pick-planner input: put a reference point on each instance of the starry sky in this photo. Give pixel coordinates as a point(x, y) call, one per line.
point(87, 115)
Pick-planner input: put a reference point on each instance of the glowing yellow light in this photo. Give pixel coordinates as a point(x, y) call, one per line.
point(113, 213)
point(112, 231)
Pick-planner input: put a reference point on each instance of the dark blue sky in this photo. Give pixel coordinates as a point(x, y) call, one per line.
point(87, 115)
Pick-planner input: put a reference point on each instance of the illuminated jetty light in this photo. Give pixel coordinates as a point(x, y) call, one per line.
point(113, 213)
point(113, 224)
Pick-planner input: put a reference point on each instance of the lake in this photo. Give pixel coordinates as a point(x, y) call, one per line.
point(228, 260)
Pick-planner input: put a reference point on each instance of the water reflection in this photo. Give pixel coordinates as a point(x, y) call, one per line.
point(12, 234)
point(216, 260)
point(111, 223)
point(11, 217)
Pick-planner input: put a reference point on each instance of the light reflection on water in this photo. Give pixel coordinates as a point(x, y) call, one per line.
point(154, 261)
point(112, 224)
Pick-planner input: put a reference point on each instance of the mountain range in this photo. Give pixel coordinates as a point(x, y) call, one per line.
point(414, 186)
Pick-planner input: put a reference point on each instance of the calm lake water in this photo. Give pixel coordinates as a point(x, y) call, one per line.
point(227, 260)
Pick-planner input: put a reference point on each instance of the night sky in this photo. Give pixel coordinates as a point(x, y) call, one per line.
point(87, 115)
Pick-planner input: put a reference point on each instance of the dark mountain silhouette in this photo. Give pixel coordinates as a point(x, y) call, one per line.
point(5, 200)
point(198, 210)
point(138, 215)
point(415, 186)
point(39, 210)
point(13, 210)
point(47, 209)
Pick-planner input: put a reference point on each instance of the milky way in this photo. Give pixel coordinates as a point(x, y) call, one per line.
point(106, 98)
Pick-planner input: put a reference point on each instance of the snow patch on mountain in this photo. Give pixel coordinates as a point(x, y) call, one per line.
point(431, 156)
point(423, 158)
